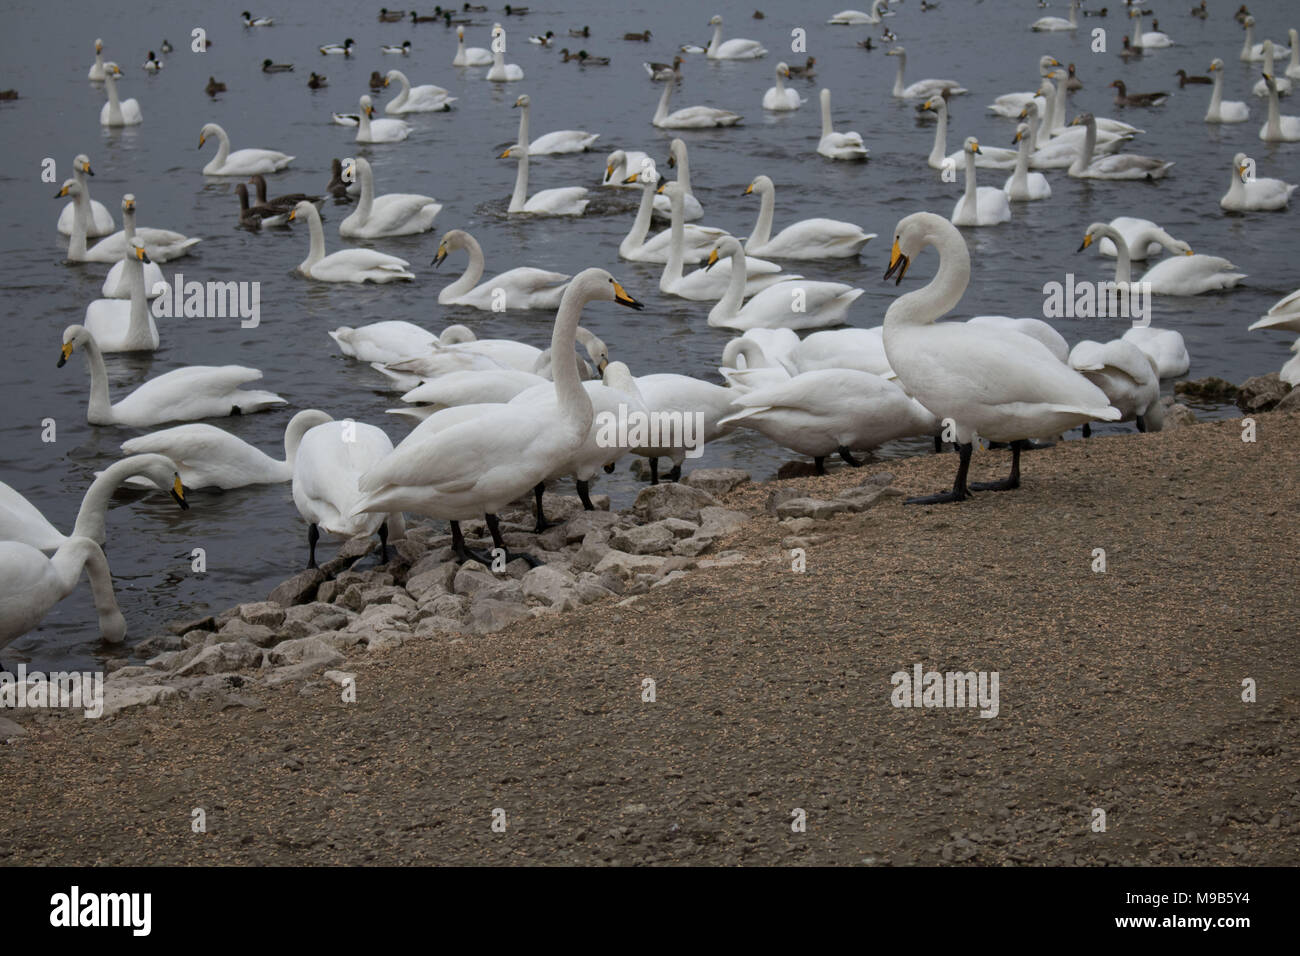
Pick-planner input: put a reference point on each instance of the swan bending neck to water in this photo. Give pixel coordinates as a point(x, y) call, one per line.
point(31, 584)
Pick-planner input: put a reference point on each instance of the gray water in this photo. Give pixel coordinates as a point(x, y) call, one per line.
point(253, 537)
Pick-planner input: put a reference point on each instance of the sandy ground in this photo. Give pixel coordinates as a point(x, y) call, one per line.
point(1118, 690)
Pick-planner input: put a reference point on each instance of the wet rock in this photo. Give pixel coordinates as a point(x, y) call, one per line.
point(348, 553)
point(266, 613)
point(671, 501)
point(157, 644)
point(550, 585)
point(208, 623)
point(223, 657)
point(716, 481)
point(1261, 393)
point(298, 589)
point(643, 539)
point(1207, 390)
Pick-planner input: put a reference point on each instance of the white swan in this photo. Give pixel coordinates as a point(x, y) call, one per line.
point(96, 72)
point(921, 88)
point(979, 205)
point(1290, 371)
point(520, 288)
point(470, 56)
point(330, 461)
point(183, 394)
point(706, 285)
point(115, 247)
point(835, 145)
point(1182, 274)
point(1053, 126)
point(490, 355)
point(1146, 40)
point(624, 163)
point(1246, 195)
point(469, 387)
point(416, 99)
point(242, 162)
point(1127, 375)
point(1279, 128)
point(733, 49)
point(658, 248)
point(22, 521)
point(1293, 68)
point(206, 456)
point(125, 325)
point(346, 265)
point(1022, 185)
point(502, 72)
point(690, 117)
point(1282, 82)
point(117, 112)
point(473, 460)
point(815, 238)
point(549, 144)
point(1164, 346)
point(99, 220)
point(996, 157)
point(393, 340)
point(371, 130)
point(679, 160)
point(852, 18)
point(998, 384)
point(670, 394)
point(563, 201)
point(745, 364)
point(31, 584)
point(1034, 328)
point(1116, 166)
point(1221, 111)
point(1009, 105)
point(832, 410)
point(162, 245)
point(1060, 152)
point(1252, 52)
point(1057, 24)
point(1143, 238)
point(1284, 315)
point(793, 304)
point(861, 349)
point(393, 214)
point(778, 97)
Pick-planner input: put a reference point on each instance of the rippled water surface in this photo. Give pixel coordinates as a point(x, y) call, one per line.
point(253, 537)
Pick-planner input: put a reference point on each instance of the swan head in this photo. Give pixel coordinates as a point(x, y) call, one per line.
point(82, 164)
point(1094, 232)
point(1084, 119)
point(675, 148)
point(760, 185)
point(649, 176)
point(455, 239)
point(70, 187)
point(596, 348)
point(99, 46)
point(1241, 165)
point(727, 246)
point(597, 284)
point(164, 474)
point(971, 145)
point(209, 129)
point(715, 21)
point(935, 104)
point(1268, 79)
point(74, 337)
point(367, 105)
point(128, 203)
point(783, 70)
point(303, 210)
point(1248, 22)
point(1216, 64)
point(516, 151)
point(136, 251)
point(523, 102)
point(912, 234)
point(1030, 111)
point(1045, 64)
point(112, 69)
point(896, 51)
point(1021, 132)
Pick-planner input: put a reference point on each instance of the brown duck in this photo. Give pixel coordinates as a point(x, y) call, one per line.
point(1124, 98)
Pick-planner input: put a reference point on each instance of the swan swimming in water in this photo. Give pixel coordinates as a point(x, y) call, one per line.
point(564, 201)
point(1003, 386)
point(734, 49)
point(1182, 274)
point(521, 288)
point(817, 238)
point(1253, 194)
point(979, 205)
point(793, 304)
point(99, 221)
point(392, 214)
point(118, 112)
point(242, 162)
point(920, 88)
point(550, 144)
point(835, 145)
point(1220, 110)
point(345, 265)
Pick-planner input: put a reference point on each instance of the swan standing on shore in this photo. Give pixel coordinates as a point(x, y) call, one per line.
point(418, 99)
point(117, 112)
point(1247, 195)
point(470, 56)
point(816, 238)
point(242, 162)
point(921, 88)
point(371, 130)
point(549, 144)
point(206, 456)
point(793, 304)
point(393, 214)
point(524, 287)
point(690, 117)
point(22, 521)
point(183, 394)
point(734, 49)
point(125, 326)
point(331, 459)
point(563, 201)
point(979, 205)
point(1127, 375)
point(502, 72)
point(474, 460)
point(1000, 385)
point(1221, 111)
point(99, 221)
point(835, 145)
point(345, 265)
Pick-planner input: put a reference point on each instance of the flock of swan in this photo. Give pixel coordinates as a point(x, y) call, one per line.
point(495, 419)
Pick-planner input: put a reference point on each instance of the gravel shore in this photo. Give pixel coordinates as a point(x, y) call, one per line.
point(1120, 691)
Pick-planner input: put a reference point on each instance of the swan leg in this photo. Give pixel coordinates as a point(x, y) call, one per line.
point(1009, 482)
point(313, 535)
point(820, 462)
point(383, 543)
point(938, 442)
point(676, 473)
point(654, 470)
point(463, 553)
point(1141, 423)
point(960, 492)
point(542, 524)
point(497, 542)
point(584, 494)
point(1087, 429)
point(849, 460)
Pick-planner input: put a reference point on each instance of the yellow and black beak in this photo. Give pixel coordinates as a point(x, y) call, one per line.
point(712, 260)
point(64, 354)
point(61, 193)
point(1019, 135)
point(609, 172)
point(631, 179)
point(370, 111)
point(974, 147)
point(141, 254)
point(662, 187)
point(87, 170)
point(504, 155)
point(928, 105)
point(130, 206)
point(748, 189)
point(178, 493)
point(293, 214)
point(202, 139)
point(622, 298)
point(1087, 241)
point(385, 81)
point(1189, 253)
point(603, 363)
point(672, 161)
point(442, 254)
point(897, 261)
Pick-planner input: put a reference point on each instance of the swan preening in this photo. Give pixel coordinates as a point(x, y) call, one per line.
point(242, 162)
point(1002, 386)
point(1127, 375)
point(346, 265)
point(835, 145)
point(183, 394)
point(474, 460)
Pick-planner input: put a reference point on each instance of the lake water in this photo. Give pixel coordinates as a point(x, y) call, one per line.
point(253, 537)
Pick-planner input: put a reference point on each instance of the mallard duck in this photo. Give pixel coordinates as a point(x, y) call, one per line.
point(391, 16)
point(269, 67)
point(638, 37)
point(317, 82)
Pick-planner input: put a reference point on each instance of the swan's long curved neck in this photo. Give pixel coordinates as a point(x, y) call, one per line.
point(76, 553)
point(1216, 97)
point(1049, 110)
point(898, 77)
point(1086, 148)
point(1136, 39)
point(367, 201)
point(641, 225)
point(317, 252)
point(90, 518)
point(1247, 46)
point(1236, 188)
point(943, 292)
point(747, 349)
point(734, 297)
point(405, 92)
point(827, 128)
point(128, 223)
point(223, 147)
point(99, 411)
point(940, 148)
point(1274, 115)
point(473, 271)
point(676, 247)
point(520, 195)
point(83, 198)
point(1020, 178)
point(763, 227)
point(1294, 66)
point(138, 327)
point(114, 104)
point(571, 397)
point(661, 111)
point(363, 124)
point(1123, 261)
point(683, 162)
point(717, 38)
point(292, 439)
point(523, 127)
point(970, 197)
point(77, 241)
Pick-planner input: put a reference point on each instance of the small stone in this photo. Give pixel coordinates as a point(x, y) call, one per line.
point(550, 585)
point(1178, 416)
point(716, 481)
point(809, 508)
point(626, 565)
point(488, 615)
point(798, 525)
point(241, 630)
point(267, 613)
point(298, 589)
point(221, 658)
point(671, 501)
point(781, 495)
point(643, 539)
point(721, 522)
point(1261, 393)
